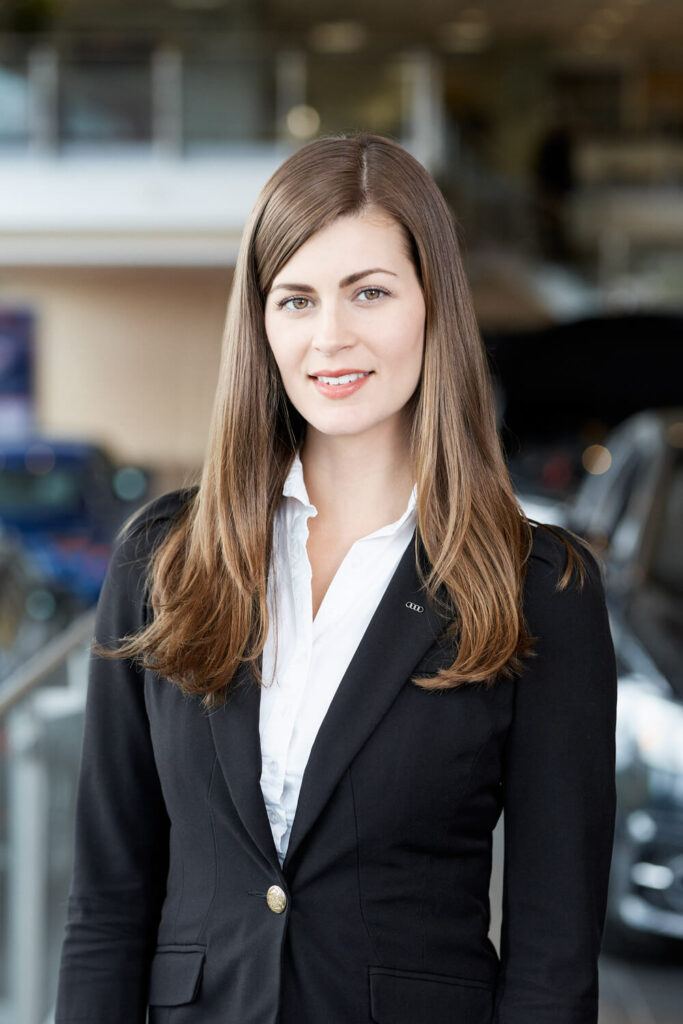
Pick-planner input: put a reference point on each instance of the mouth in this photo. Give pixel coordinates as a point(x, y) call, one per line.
point(336, 378)
point(339, 384)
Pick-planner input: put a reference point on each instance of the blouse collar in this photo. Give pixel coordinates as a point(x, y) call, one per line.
point(295, 487)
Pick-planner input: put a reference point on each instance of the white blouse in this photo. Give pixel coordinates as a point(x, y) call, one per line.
point(312, 655)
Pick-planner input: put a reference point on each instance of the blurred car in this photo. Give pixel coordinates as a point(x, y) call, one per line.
point(632, 512)
point(65, 500)
point(31, 610)
point(560, 390)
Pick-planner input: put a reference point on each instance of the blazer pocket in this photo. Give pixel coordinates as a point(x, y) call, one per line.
point(176, 975)
point(415, 997)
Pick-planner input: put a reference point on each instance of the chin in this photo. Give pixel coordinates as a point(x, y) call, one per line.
point(347, 425)
point(339, 430)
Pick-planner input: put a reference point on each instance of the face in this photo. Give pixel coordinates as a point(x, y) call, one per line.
point(345, 319)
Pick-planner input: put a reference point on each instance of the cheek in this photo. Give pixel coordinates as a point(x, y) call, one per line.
point(407, 342)
point(280, 344)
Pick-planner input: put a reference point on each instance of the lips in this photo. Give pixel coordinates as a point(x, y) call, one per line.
point(337, 379)
point(342, 372)
point(339, 383)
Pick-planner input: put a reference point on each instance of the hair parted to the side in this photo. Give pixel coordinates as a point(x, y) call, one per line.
point(208, 576)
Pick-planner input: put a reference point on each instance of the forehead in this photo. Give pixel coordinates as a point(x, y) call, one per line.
point(373, 237)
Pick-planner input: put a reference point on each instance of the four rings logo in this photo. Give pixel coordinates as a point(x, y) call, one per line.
point(414, 607)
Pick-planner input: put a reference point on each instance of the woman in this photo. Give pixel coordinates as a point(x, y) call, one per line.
point(352, 619)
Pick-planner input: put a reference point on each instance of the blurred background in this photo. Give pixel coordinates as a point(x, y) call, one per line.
point(134, 138)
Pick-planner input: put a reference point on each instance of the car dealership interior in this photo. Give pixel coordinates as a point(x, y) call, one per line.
point(134, 140)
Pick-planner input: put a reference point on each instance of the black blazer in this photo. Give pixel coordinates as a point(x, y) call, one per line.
point(386, 878)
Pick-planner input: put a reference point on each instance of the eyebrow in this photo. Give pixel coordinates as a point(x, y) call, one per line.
point(344, 283)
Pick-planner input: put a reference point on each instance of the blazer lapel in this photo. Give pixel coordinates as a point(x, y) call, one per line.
point(235, 729)
point(402, 629)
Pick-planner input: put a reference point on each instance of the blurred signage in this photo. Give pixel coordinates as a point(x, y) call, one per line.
point(17, 327)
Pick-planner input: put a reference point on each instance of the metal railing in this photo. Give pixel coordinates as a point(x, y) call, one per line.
point(41, 723)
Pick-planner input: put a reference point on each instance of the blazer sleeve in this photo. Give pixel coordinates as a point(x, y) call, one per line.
point(122, 829)
point(559, 801)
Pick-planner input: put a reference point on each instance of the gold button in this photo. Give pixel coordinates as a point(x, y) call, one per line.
point(276, 899)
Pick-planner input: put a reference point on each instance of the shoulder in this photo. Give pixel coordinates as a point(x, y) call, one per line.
point(547, 602)
point(140, 534)
point(150, 522)
point(549, 553)
point(161, 509)
point(571, 674)
point(125, 588)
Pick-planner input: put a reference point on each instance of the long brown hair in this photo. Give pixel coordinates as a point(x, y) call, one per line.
point(207, 577)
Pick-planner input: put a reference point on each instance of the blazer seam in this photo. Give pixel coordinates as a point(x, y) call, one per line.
point(428, 860)
point(467, 782)
point(378, 958)
point(215, 850)
point(180, 898)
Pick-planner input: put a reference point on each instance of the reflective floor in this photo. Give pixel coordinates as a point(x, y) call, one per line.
point(644, 991)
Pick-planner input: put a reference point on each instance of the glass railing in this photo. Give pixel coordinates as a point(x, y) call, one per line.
point(41, 722)
point(227, 97)
point(202, 94)
point(14, 97)
point(104, 102)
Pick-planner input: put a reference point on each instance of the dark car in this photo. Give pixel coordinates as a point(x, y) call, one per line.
point(562, 389)
point(633, 512)
point(31, 610)
point(65, 500)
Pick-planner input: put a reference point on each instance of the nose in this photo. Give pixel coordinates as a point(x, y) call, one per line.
point(332, 333)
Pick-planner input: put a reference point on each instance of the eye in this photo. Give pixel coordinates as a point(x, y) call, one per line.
point(372, 294)
point(295, 299)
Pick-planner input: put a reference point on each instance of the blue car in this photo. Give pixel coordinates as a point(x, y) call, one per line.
point(64, 501)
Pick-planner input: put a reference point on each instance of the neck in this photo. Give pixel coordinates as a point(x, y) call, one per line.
point(358, 482)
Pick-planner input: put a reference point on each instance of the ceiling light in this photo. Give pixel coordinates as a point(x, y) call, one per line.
point(338, 37)
point(198, 5)
point(599, 30)
point(467, 35)
point(303, 121)
point(610, 15)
